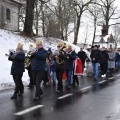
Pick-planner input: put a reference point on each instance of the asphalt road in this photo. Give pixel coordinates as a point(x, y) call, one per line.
point(81, 103)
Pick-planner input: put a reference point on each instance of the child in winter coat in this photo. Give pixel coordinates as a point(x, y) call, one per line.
point(52, 71)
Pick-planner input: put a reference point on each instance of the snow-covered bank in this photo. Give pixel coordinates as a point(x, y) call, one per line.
point(9, 40)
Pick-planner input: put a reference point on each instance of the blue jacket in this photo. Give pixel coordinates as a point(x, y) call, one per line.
point(17, 63)
point(38, 60)
point(69, 61)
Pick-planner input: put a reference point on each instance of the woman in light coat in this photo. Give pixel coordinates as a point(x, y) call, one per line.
point(111, 61)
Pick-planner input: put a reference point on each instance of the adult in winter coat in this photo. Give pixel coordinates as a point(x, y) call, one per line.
point(38, 64)
point(71, 56)
point(95, 57)
point(117, 60)
point(17, 69)
point(111, 62)
point(82, 56)
point(28, 66)
point(104, 62)
point(60, 57)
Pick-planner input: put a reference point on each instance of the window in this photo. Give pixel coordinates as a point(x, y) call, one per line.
point(110, 45)
point(8, 14)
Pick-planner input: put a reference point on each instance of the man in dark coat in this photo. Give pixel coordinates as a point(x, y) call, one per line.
point(82, 56)
point(17, 69)
point(38, 64)
point(95, 57)
point(104, 57)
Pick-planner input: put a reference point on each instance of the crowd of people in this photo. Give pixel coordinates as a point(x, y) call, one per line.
point(49, 67)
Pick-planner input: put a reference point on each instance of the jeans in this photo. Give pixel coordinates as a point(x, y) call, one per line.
point(53, 75)
point(117, 64)
point(95, 69)
point(69, 77)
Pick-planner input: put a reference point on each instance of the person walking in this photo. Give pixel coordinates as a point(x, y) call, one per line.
point(38, 64)
point(71, 56)
point(95, 57)
point(111, 61)
point(17, 69)
point(82, 56)
point(104, 57)
point(60, 57)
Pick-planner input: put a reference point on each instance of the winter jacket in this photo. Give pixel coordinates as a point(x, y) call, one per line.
point(104, 57)
point(82, 55)
point(17, 63)
point(69, 61)
point(60, 61)
point(52, 65)
point(95, 56)
point(38, 60)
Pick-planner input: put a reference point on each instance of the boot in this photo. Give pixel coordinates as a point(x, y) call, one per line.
point(14, 96)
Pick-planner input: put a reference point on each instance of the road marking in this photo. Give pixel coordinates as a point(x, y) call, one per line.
point(102, 81)
point(86, 88)
point(111, 78)
point(64, 96)
point(28, 110)
point(117, 75)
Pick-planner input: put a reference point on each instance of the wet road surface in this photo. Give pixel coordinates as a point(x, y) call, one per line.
point(81, 103)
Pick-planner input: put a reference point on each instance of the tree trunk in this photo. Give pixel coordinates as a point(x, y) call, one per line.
point(29, 18)
point(43, 23)
point(94, 31)
point(77, 30)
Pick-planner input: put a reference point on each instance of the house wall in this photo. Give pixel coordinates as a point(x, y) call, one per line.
point(13, 23)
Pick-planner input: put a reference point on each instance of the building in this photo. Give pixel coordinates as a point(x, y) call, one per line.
point(9, 14)
point(105, 39)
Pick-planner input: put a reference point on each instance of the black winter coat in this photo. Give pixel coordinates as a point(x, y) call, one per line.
point(95, 56)
point(69, 61)
point(104, 57)
point(17, 64)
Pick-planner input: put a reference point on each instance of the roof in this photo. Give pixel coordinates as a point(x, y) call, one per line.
point(104, 39)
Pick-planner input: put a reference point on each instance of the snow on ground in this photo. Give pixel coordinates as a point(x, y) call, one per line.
point(9, 40)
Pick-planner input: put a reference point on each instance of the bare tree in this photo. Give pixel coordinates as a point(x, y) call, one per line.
point(116, 30)
point(64, 15)
point(95, 12)
point(109, 11)
point(79, 6)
